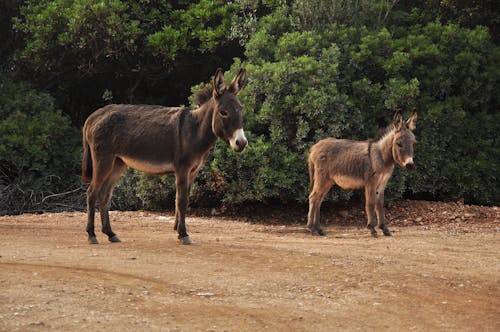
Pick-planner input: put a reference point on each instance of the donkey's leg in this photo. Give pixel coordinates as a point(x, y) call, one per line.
point(370, 209)
point(105, 198)
point(181, 204)
point(101, 171)
point(91, 204)
point(192, 176)
point(176, 223)
point(380, 211)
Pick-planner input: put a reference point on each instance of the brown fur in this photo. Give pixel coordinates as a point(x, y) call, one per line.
point(357, 165)
point(157, 140)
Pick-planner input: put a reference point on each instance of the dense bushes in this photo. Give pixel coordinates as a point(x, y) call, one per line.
point(315, 69)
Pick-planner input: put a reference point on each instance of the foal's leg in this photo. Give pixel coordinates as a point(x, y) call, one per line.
point(370, 209)
point(380, 211)
point(321, 187)
point(105, 198)
point(181, 204)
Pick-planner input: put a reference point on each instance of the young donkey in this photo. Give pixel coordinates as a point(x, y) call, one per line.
point(354, 165)
point(158, 140)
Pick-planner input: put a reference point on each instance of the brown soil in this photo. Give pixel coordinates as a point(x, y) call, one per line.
point(440, 272)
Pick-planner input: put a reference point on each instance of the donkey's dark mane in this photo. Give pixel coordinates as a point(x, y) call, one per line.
point(203, 95)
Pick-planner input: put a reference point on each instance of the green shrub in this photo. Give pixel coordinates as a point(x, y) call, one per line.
point(37, 141)
point(137, 190)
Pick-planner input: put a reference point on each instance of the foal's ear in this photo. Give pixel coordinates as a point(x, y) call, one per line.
point(219, 82)
point(411, 123)
point(398, 120)
point(238, 82)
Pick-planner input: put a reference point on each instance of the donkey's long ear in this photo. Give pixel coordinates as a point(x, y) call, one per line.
point(411, 123)
point(219, 82)
point(398, 120)
point(238, 82)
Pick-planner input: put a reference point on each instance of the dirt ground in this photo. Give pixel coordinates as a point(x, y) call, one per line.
point(439, 272)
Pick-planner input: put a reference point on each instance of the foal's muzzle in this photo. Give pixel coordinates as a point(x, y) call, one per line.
point(410, 166)
point(238, 141)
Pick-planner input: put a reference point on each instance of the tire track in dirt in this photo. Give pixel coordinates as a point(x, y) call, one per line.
point(185, 303)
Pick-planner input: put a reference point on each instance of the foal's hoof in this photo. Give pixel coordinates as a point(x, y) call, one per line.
point(372, 231)
point(386, 232)
point(185, 240)
point(93, 240)
point(317, 232)
point(114, 238)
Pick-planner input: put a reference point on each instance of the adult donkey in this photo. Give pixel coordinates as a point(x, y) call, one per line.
point(356, 165)
point(158, 140)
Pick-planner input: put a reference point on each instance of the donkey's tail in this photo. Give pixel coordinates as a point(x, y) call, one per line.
point(86, 162)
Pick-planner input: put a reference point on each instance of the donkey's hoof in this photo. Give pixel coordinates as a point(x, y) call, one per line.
point(93, 240)
point(114, 239)
point(386, 232)
point(374, 234)
point(185, 240)
point(317, 232)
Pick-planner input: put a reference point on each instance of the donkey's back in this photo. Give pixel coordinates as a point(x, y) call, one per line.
point(137, 133)
point(133, 121)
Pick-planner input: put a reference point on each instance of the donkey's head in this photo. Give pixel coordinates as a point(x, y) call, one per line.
point(227, 120)
point(402, 144)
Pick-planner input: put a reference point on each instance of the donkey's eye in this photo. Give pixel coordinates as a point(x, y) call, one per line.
point(224, 113)
point(399, 144)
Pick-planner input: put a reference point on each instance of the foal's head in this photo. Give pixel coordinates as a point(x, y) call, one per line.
point(227, 121)
point(402, 144)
